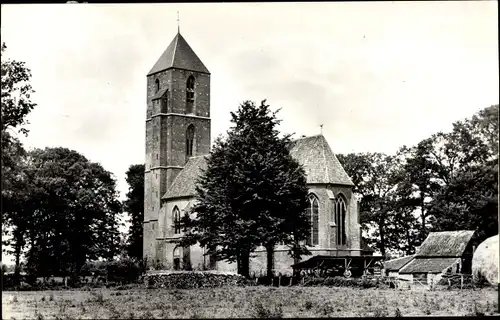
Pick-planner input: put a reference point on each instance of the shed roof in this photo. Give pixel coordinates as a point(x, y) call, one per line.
point(184, 184)
point(159, 94)
point(428, 265)
point(320, 163)
point(331, 261)
point(179, 55)
point(398, 263)
point(445, 244)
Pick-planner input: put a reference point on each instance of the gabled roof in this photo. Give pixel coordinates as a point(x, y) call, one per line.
point(184, 184)
point(398, 263)
point(179, 55)
point(445, 244)
point(432, 265)
point(320, 163)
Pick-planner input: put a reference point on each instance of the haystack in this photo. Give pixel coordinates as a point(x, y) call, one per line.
point(485, 260)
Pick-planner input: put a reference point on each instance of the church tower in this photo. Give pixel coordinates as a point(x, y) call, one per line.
point(177, 127)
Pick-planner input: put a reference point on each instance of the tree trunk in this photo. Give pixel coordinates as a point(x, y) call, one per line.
point(382, 238)
point(408, 243)
point(238, 262)
point(270, 260)
point(19, 244)
point(296, 272)
point(17, 267)
point(422, 206)
point(245, 264)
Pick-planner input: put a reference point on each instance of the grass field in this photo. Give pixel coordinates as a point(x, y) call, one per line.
point(237, 302)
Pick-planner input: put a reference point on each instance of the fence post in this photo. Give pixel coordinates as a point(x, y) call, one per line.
point(461, 281)
point(279, 281)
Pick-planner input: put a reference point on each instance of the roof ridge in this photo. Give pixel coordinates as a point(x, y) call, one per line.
point(401, 258)
point(175, 47)
point(307, 137)
point(324, 157)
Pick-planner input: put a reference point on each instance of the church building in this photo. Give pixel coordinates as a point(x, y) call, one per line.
point(177, 144)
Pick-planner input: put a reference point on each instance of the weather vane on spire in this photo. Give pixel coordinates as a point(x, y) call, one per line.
point(321, 128)
point(178, 24)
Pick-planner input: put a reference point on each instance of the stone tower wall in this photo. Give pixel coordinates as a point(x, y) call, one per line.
point(166, 141)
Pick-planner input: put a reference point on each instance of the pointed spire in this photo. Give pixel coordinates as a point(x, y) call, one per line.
point(179, 55)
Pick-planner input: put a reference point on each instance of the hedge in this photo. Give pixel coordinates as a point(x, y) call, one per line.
point(343, 282)
point(193, 279)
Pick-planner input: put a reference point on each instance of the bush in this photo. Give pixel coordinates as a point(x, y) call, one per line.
point(454, 282)
point(123, 271)
point(193, 279)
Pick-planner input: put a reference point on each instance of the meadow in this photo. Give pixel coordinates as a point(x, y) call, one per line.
point(246, 302)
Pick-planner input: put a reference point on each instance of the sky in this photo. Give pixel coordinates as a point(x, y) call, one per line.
point(376, 75)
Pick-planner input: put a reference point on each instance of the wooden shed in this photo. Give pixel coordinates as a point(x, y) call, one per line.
point(442, 252)
point(393, 266)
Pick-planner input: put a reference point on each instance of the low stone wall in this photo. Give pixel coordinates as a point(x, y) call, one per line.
point(193, 279)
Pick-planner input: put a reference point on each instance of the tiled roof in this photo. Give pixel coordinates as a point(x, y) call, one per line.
point(159, 94)
point(398, 263)
point(179, 55)
point(185, 182)
point(432, 265)
point(320, 163)
point(445, 244)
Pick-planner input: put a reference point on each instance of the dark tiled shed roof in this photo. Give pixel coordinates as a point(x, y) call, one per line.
point(184, 184)
point(398, 263)
point(159, 94)
point(445, 244)
point(320, 163)
point(179, 55)
point(425, 265)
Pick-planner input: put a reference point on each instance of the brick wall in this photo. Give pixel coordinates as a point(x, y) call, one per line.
point(165, 153)
point(282, 260)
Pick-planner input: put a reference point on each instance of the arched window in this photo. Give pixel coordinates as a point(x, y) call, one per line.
point(177, 258)
point(164, 102)
point(189, 140)
point(190, 95)
point(176, 216)
point(313, 212)
point(157, 85)
point(340, 212)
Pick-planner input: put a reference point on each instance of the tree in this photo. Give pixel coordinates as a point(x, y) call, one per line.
point(74, 215)
point(15, 205)
point(253, 192)
point(16, 105)
point(134, 205)
point(16, 93)
point(376, 177)
point(468, 196)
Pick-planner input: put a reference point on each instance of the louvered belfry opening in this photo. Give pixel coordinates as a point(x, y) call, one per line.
point(190, 95)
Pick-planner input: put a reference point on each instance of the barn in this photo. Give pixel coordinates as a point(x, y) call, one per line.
point(393, 266)
point(442, 252)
